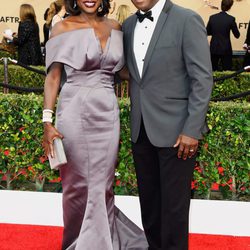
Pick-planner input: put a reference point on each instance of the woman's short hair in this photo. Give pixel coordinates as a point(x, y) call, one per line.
point(226, 4)
point(74, 10)
point(27, 12)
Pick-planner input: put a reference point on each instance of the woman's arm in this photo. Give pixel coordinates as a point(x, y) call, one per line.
point(51, 87)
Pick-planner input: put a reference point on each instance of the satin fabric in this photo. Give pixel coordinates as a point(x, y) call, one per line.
point(88, 117)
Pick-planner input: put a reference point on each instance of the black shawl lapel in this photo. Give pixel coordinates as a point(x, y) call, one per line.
point(156, 34)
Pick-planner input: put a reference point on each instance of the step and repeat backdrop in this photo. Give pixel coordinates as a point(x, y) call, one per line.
point(9, 13)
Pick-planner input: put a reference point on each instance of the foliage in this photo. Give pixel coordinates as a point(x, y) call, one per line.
point(125, 182)
point(223, 159)
point(235, 85)
point(21, 154)
point(4, 53)
point(19, 76)
point(224, 153)
point(22, 77)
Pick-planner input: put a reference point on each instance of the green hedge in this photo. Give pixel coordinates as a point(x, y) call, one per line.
point(224, 152)
point(231, 86)
point(19, 76)
point(7, 54)
point(237, 61)
point(22, 77)
point(223, 159)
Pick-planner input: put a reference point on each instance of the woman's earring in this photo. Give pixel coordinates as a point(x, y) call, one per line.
point(101, 7)
point(75, 4)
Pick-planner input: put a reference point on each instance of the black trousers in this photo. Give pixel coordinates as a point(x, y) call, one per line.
point(226, 62)
point(164, 184)
point(246, 59)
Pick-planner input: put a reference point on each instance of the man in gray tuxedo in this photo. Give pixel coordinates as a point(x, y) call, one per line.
point(167, 54)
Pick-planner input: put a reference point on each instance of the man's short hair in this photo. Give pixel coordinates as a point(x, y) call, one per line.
point(226, 5)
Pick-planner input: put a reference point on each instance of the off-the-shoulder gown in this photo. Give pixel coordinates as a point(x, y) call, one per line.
point(88, 117)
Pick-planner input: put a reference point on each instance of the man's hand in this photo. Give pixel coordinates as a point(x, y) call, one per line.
point(246, 47)
point(247, 68)
point(187, 146)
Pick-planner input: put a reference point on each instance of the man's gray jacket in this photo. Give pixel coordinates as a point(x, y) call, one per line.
point(174, 91)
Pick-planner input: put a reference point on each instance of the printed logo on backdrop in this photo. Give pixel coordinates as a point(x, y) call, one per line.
point(243, 26)
point(9, 19)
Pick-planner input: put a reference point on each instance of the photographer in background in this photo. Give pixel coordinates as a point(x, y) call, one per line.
point(246, 47)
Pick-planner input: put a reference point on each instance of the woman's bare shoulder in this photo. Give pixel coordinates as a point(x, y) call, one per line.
point(68, 24)
point(114, 24)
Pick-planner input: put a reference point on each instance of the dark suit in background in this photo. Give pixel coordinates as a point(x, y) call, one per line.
point(168, 100)
point(219, 27)
point(247, 41)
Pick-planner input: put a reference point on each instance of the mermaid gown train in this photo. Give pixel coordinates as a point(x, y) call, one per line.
point(88, 117)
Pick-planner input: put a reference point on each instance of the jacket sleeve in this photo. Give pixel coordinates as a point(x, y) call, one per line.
point(198, 64)
point(235, 29)
point(248, 35)
point(24, 31)
point(209, 31)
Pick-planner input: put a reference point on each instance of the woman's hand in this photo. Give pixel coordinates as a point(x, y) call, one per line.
point(50, 133)
point(7, 37)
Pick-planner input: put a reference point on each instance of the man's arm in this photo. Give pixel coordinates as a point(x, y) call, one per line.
point(198, 64)
point(248, 35)
point(235, 29)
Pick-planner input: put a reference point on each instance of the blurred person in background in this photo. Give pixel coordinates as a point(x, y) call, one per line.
point(219, 27)
point(46, 32)
point(46, 27)
point(56, 13)
point(27, 39)
point(123, 12)
point(246, 47)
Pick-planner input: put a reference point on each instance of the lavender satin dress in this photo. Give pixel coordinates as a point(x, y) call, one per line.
point(88, 117)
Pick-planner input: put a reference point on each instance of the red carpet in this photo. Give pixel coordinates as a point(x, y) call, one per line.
point(26, 237)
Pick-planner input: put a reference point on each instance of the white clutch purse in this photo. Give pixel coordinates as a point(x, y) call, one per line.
point(59, 158)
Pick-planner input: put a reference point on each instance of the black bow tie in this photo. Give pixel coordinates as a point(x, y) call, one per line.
point(141, 16)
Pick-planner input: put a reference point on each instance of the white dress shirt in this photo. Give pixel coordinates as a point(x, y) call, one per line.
point(143, 33)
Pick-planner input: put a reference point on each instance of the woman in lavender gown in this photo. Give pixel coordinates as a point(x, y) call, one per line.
point(88, 47)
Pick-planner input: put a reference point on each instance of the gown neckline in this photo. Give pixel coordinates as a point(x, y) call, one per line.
point(101, 50)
